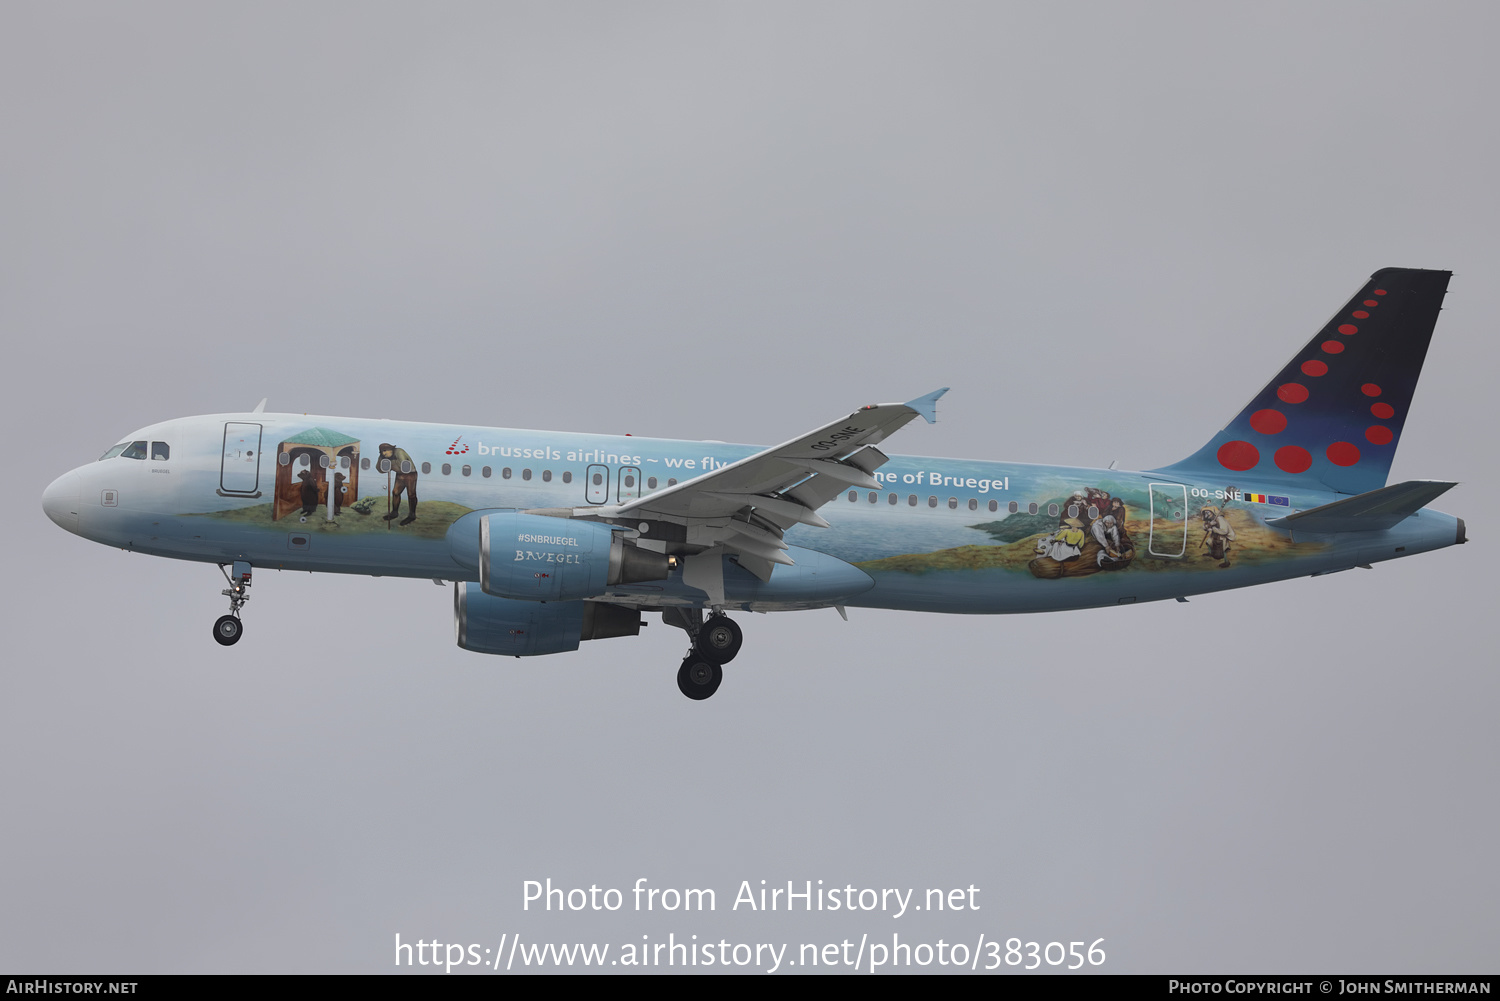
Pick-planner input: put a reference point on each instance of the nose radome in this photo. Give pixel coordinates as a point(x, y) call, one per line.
point(60, 501)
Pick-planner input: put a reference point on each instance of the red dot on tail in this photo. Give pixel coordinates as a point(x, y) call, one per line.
point(1370, 389)
point(1378, 434)
point(1238, 455)
point(1343, 453)
point(1268, 421)
point(1384, 411)
point(1293, 459)
point(1348, 328)
point(1292, 392)
point(1380, 291)
point(1360, 314)
point(1314, 368)
point(1371, 302)
point(1333, 347)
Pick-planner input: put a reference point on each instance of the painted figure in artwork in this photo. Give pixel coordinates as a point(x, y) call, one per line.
point(405, 481)
point(1217, 534)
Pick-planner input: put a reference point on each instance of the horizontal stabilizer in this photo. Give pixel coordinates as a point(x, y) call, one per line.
point(1367, 512)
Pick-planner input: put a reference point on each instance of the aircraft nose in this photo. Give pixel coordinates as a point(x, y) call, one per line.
point(60, 501)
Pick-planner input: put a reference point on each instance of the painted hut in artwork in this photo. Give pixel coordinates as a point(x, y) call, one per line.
point(305, 463)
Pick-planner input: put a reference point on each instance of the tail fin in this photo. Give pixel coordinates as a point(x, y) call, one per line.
point(1334, 414)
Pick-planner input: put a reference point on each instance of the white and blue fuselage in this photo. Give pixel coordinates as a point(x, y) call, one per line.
point(945, 535)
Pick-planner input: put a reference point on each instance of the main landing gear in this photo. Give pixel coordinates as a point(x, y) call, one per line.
point(715, 644)
point(228, 628)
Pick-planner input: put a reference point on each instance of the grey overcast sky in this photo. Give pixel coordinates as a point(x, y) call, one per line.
point(1104, 225)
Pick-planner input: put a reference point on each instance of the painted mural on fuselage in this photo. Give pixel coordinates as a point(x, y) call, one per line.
point(942, 534)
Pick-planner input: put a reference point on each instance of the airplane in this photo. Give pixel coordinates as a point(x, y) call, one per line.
point(551, 538)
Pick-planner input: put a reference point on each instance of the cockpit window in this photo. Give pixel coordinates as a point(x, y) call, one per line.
point(135, 450)
point(160, 451)
point(114, 451)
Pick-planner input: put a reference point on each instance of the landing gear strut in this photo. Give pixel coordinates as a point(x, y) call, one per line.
point(228, 628)
point(714, 644)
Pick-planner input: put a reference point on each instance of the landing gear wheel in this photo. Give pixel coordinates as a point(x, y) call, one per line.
point(228, 630)
point(698, 679)
point(718, 640)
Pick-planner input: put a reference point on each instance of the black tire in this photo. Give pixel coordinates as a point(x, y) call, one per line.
point(719, 640)
point(228, 630)
point(698, 679)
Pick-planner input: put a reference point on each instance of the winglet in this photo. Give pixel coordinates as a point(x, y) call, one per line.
point(260, 407)
point(927, 405)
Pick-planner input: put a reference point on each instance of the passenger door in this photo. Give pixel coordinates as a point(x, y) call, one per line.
point(1168, 520)
point(239, 469)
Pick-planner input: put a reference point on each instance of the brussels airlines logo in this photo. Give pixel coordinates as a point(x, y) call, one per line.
point(455, 449)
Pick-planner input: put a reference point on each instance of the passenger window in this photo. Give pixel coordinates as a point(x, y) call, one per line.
point(160, 451)
point(505, 473)
point(874, 497)
point(671, 481)
point(385, 465)
point(135, 450)
point(406, 466)
point(630, 481)
point(932, 502)
point(364, 463)
point(1072, 510)
point(1013, 507)
point(447, 468)
point(911, 500)
point(322, 462)
point(525, 474)
point(1093, 511)
point(1052, 510)
point(1031, 508)
point(467, 470)
point(598, 479)
point(891, 499)
point(953, 503)
point(974, 504)
point(426, 468)
point(485, 472)
point(651, 483)
point(284, 459)
point(994, 506)
point(853, 496)
point(567, 476)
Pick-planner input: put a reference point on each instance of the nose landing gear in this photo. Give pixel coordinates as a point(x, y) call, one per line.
point(228, 628)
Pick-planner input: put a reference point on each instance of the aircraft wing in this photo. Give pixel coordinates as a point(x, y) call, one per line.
point(747, 505)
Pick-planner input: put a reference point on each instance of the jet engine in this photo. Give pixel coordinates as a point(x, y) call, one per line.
point(485, 623)
point(537, 558)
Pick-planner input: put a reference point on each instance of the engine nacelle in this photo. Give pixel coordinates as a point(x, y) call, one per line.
point(485, 623)
point(536, 558)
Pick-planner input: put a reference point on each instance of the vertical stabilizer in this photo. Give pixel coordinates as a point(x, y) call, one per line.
point(1333, 416)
